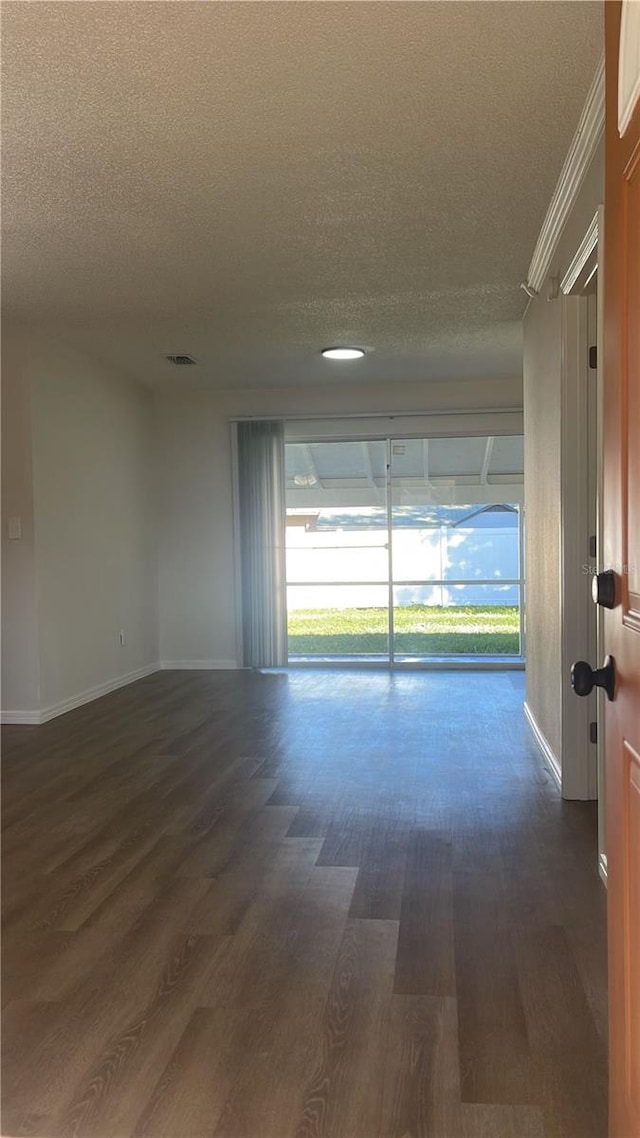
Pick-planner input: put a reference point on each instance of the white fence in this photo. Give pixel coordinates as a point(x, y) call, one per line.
point(437, 566)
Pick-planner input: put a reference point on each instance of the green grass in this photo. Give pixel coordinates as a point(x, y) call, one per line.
point(475, 630)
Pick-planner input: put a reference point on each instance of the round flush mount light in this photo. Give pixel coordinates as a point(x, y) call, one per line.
point(342, 353)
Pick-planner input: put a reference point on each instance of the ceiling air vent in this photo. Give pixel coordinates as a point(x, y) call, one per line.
point(181, 361)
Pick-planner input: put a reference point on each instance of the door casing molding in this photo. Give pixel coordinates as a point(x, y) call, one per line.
point(582, 763)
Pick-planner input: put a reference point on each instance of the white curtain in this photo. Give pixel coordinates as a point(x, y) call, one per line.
point(261, 496)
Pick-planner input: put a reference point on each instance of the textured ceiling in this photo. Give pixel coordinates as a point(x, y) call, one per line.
point(248, 182)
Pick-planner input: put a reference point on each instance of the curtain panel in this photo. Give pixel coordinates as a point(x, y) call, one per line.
point(261, 498)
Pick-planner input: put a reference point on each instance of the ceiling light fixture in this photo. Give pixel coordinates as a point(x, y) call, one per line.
point(342, 353)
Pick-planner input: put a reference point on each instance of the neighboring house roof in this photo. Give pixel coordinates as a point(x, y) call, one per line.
point(421, 517)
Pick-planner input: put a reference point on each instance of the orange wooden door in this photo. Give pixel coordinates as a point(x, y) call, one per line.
point(621, 526)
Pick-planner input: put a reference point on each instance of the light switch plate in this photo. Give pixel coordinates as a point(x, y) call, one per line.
point(14, 527)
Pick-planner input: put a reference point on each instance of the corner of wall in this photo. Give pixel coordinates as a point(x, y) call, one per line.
point(20, 660)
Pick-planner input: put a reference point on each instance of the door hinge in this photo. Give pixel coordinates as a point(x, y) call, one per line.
point(593, 357)
point(593, 546)
point(593, 732)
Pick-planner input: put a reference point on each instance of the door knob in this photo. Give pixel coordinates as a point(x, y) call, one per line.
point(603, 589)
point(584, 678)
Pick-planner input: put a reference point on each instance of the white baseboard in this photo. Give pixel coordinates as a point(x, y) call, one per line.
point(547, 753)
point(20, 717)
point(199, 665)
point(55, 709)
point(602, 868)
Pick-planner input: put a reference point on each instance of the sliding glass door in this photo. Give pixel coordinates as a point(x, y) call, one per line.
point(337, 551)
point(455, 539)
point(405, 550)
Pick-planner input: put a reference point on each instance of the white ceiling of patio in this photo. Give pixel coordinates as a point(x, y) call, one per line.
point(448, 470)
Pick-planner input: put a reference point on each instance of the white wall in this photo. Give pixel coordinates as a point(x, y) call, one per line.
point(19, 623)
point(195, 530)
point(93, 529)
point(197, 614)
point(94, 523)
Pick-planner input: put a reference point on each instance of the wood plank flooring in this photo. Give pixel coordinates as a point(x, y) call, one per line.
point(303, 905)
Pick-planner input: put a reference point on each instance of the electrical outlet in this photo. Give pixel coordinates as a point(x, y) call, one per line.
point(122, 638)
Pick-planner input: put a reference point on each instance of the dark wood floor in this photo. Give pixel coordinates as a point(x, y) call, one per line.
point(311, 905)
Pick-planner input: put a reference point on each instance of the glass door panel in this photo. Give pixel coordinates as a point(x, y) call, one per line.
point(455, 540)
point(337, 550)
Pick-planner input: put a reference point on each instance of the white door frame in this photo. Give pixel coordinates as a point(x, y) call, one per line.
point(582, 762)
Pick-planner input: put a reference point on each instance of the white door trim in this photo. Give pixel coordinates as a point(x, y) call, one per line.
point(578, 754)
point(585, 262)
point(580, 453)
